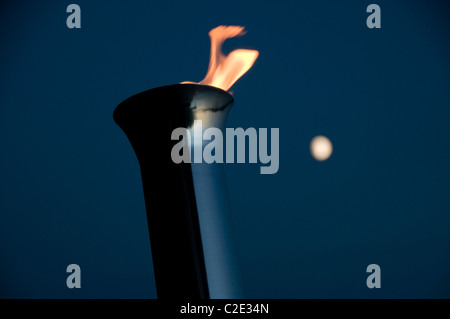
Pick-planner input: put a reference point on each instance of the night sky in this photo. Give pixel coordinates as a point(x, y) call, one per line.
point(70, 185)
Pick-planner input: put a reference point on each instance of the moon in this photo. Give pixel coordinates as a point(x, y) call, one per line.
point(321, 148)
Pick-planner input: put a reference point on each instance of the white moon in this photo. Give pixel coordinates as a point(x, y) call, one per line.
point(321, 148)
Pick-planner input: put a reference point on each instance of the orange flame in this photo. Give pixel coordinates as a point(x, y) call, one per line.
point(225, 70)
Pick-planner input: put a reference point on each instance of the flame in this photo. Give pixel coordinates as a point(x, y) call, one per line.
point(225, 70)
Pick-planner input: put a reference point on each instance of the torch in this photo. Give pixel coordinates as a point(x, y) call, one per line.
point(188, 210)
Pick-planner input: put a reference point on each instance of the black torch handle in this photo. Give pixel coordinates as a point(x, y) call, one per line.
point(148, 120)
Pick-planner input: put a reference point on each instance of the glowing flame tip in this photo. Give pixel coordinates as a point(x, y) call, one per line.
point(225, 70)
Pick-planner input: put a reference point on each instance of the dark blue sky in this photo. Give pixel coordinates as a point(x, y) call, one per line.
point(70, 188)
